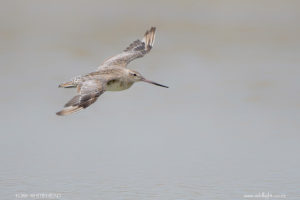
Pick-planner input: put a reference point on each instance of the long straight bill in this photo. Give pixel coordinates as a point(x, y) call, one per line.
point(154, 83)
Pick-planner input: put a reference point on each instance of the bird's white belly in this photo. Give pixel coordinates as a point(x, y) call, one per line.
point(117, 85)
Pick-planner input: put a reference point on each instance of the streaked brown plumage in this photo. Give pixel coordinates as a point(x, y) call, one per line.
point(112, 75)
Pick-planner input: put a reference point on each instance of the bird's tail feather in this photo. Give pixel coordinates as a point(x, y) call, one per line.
point(69, 84)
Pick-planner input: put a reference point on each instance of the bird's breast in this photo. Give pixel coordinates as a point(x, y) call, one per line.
point(118, 85)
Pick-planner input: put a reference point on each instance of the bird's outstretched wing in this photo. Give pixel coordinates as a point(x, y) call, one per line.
point(88, 93)
point(135, 50)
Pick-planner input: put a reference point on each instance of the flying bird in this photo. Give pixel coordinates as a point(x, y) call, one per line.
point(112, 75)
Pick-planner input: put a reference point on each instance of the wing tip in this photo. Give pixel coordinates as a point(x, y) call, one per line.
point(153, 28)
point(69, 110)
point(149, 37)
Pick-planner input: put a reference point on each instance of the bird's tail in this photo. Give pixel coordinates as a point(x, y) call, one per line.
point(69, 84)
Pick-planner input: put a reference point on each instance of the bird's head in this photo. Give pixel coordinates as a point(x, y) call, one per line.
point(136, 76)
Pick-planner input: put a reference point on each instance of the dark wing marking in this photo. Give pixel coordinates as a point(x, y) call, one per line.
point(89, 91)
point(135, 50)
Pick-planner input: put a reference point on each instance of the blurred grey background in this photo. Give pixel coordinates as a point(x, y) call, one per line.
point(228, 126)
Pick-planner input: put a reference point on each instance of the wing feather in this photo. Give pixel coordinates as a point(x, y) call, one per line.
point(135, 50)
point(88, 93)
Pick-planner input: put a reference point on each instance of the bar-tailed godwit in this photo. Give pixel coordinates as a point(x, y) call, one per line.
point(112, 75)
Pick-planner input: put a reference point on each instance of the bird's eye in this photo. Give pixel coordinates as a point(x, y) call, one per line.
point(134, 74)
